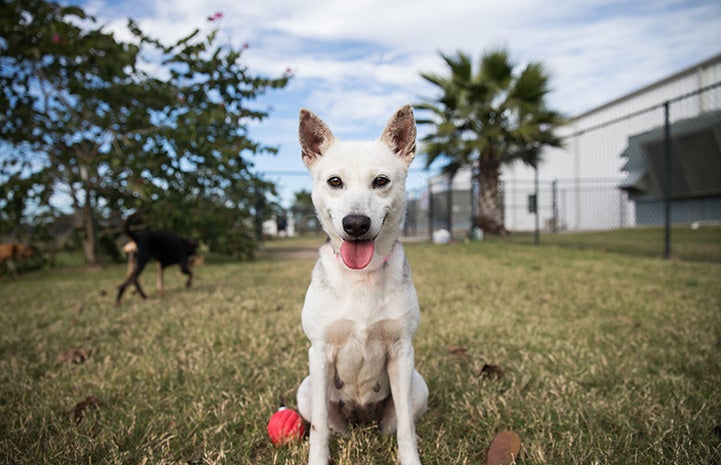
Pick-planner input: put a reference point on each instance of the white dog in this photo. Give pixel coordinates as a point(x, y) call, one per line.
point(361, 309)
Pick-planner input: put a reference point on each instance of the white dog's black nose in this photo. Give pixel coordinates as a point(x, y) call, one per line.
point(356, 225)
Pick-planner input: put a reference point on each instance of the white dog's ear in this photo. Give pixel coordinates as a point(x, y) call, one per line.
point(314, 135)
point(400, 133)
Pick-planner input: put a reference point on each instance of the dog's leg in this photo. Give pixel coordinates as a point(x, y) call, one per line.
point(142, 261)
point(336, 418)
point(11, 266)
point(420, 405)
point(304, 398)
point(138, 288)
point(133, 278)
point(420, 396)
point(10, 263)
point(319, 428)
point(159, 278)
point(185, 269)
point(400, 372)
point(132, 265)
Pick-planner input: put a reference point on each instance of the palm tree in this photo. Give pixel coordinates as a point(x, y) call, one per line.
point(487, 119)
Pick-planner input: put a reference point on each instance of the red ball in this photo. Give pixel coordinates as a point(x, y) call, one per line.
point(285, 426)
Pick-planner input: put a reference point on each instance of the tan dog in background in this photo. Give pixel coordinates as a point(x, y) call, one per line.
point(13, 252)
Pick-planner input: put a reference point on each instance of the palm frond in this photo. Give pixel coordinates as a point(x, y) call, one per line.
point(492, 116)
point(530, 87)
point(435, 79)
point(496, 68)
point(461, 66)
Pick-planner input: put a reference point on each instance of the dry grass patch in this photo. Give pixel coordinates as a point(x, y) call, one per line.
point(605, 359)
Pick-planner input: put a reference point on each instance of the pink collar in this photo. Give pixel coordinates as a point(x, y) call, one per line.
point(388, 257)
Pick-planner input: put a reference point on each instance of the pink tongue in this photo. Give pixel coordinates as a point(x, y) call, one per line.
point(357, 254)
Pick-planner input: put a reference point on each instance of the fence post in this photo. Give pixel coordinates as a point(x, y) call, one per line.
point(537, 231)
point(474, 177)
point(449, 205)
point(430, 208)
point(667, 183)
point(554, 206)
point(258, 220)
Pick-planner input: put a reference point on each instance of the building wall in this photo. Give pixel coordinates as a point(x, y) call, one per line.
point(593, 144)
point(683, 211)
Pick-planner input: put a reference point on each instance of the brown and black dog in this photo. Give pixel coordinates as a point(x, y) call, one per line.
point(167, 248)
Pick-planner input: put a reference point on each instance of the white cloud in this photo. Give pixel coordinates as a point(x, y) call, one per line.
point(355, 62)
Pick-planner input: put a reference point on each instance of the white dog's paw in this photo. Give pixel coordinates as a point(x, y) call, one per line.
point(409, 456)
point(317, 461)
point(415, 461)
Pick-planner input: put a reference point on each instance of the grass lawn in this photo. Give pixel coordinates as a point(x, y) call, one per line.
point(607, 359)
point(703, 244)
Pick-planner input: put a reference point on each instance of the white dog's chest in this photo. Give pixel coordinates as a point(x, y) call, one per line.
point(358, 355)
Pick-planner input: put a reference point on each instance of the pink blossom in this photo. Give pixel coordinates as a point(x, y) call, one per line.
point(216, 17)
point(56, 38)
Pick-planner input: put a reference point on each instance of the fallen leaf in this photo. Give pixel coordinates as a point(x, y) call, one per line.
point(76, 356)
point(197, 458)
point(458, 351)
point(79, 409)
point(504, 449)
point(491, 371)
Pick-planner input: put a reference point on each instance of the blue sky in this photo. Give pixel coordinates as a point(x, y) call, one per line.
point(356, 61)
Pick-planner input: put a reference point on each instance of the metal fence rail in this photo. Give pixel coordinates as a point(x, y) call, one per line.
point(663, 200)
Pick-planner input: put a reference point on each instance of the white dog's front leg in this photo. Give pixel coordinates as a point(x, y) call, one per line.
point(400, 372)
point(319, 429)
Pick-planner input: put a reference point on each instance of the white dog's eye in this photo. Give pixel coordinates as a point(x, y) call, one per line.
point(380, 181)
point(335, 182)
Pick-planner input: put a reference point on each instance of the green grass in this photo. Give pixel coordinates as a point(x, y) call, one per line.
point(703, 244)
point(608, 359)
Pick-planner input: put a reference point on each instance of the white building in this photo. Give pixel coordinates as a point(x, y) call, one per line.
point(589, 170)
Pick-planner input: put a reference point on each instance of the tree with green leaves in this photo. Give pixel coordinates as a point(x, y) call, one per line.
point(62, 107)
point(201, 155)
point(487, 118)
point(83, 122)
point(303, 212)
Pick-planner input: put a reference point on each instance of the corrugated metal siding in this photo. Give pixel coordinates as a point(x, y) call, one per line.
point(594, 148)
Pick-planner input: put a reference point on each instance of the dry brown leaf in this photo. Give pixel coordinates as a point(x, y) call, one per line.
point(79, 409)
point(76, 356)
point(504, 449)
point(458, 351)
point(491, 371)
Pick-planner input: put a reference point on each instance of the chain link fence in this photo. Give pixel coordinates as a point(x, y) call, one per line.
point(649, 182)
